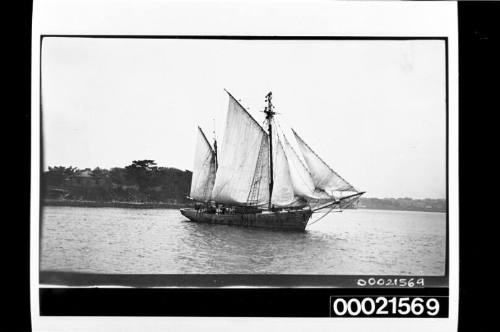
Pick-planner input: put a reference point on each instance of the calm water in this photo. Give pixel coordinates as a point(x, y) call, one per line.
point(112, 240)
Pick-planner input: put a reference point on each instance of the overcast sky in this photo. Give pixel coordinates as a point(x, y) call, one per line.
point(374, 110)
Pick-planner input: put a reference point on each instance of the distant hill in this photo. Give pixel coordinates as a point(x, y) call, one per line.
point(144, 182)
point(406, 204)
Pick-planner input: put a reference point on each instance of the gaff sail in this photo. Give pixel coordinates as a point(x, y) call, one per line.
point(239, 154)
point(259, 188)
point(204, 169)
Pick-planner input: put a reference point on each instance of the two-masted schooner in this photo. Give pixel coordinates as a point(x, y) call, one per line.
point(269, 179)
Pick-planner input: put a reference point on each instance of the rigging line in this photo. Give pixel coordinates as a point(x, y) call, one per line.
point(325, 205)
point(327, 212)
point(205, 138)
point(256, 180)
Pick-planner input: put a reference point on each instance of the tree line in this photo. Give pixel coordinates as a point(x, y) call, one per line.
point(141, 181)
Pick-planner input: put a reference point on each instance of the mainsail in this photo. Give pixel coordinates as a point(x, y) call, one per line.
point(243, 140)
point(259, 188)
point(204, 169)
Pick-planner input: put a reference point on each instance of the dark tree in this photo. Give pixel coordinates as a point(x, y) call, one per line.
point(55, 176)
point(141, 181)
point(140, 172)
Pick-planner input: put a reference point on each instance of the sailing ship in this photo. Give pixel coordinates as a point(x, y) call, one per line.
point(262, 178)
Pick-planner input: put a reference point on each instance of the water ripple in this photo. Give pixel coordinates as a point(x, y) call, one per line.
point(110, 240)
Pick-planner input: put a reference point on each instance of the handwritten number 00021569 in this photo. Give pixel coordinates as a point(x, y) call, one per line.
point(391, 282)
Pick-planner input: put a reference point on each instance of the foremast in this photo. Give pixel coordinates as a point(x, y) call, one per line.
point(269, 116)
point(215, 149)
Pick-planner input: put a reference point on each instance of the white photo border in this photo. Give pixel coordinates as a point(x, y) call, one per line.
point(275, 18)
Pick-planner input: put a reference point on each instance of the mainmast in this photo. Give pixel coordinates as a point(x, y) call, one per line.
point(269, 115)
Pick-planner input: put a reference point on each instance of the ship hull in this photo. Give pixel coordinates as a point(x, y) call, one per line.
point(286, 220)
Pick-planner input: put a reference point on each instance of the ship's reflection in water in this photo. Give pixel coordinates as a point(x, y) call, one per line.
point(109, 240)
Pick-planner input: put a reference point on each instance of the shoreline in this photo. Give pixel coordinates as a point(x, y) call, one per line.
point(138, 205)
point(402, 210)
point(128, 205)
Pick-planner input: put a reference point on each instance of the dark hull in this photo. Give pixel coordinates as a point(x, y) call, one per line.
point(286, 220)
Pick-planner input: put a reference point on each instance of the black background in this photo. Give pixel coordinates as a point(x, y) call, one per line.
point(479, 92)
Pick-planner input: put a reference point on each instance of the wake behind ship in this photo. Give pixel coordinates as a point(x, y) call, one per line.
point(266, 179)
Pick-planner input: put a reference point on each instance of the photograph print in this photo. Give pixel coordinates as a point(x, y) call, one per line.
point(311, 159)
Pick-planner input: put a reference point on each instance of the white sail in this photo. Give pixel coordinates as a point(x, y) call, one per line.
point(286, 131)
point(283, 192)
point(302, 182)
point(259, 189)
point(323, 176)
point(239, 154)
point(203, 170)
